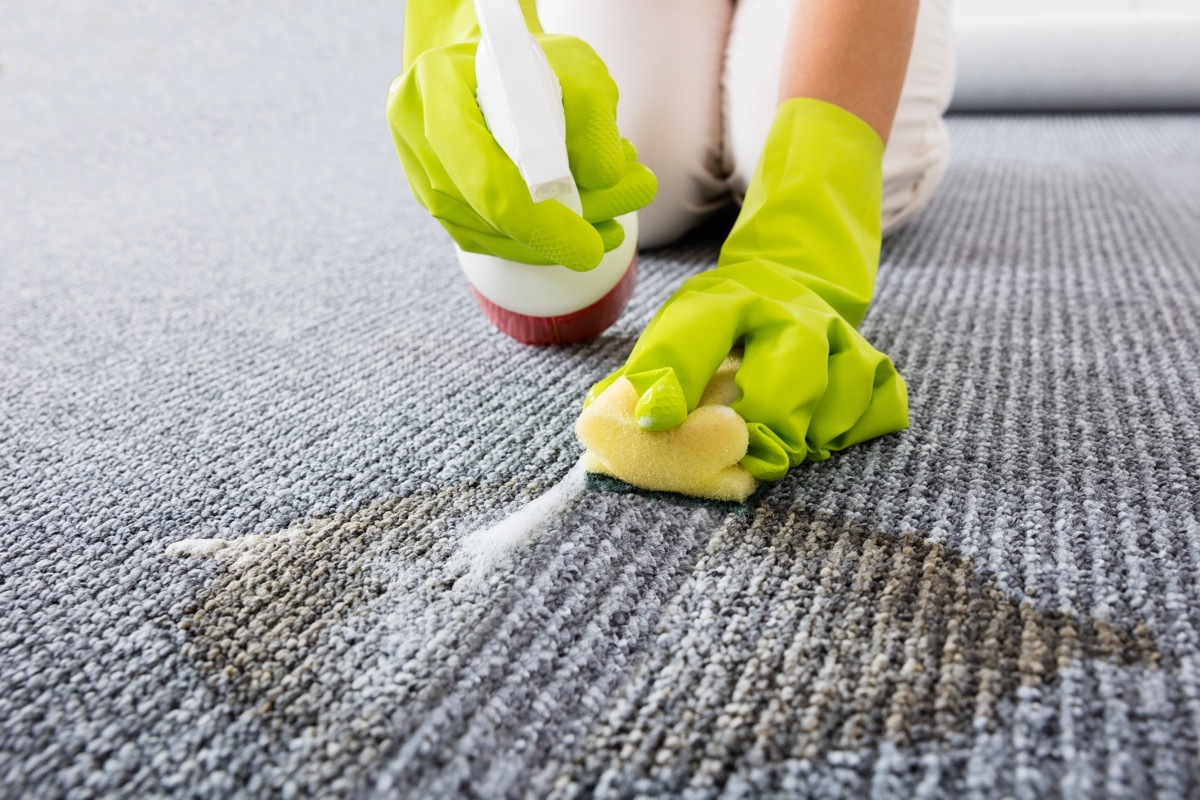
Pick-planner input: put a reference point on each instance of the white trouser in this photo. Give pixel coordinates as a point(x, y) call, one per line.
point(699, 82)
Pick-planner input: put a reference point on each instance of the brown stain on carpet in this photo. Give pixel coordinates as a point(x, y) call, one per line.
point(941, 645)
point(839, 638)
point(817, 636)
point(277, 630)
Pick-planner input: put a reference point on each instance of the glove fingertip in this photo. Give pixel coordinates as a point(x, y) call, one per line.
point(596, 154)
point(635, 191)
point(612, 234)
point(582, 260)
point(662, 404)
point(568, 240)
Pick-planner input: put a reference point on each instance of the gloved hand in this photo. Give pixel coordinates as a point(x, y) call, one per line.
point(793, 281)
point(462, 176)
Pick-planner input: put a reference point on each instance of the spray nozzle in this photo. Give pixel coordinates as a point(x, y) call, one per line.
point(521, 100)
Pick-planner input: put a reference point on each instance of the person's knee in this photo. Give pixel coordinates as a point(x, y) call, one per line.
point(753, 60)
point(685, 159)
point(918, 149)
point(676, 209)
point(666, 57)
point(911, 176)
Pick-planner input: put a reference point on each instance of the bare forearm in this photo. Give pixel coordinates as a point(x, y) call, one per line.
point(852, 53)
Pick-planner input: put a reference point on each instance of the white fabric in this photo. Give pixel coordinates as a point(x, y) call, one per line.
point(666, 57)
point(699, 82)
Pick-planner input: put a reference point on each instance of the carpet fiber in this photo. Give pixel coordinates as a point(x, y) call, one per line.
point(223, 317)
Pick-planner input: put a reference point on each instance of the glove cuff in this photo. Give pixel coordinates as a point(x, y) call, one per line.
point(814, 203)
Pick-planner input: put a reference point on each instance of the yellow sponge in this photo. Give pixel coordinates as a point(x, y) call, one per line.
point(698, 458)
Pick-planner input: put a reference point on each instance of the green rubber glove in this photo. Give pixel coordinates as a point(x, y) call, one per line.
point(793, 281)
point(462, 176)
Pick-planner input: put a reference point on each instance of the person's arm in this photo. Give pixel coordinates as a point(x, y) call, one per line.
point(797, 271)
point(852, 53)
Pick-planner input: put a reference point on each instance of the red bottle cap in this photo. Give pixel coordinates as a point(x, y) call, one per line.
point(578, 326)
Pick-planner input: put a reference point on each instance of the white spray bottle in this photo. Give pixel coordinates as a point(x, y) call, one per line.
point(521, 100)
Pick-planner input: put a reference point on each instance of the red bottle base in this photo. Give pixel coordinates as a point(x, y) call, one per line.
point(578, 326)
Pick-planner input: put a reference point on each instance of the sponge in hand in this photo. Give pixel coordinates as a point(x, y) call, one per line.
point(699, 457)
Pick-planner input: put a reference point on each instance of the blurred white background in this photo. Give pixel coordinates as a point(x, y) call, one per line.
point(1077, 54)
point(1076, 6)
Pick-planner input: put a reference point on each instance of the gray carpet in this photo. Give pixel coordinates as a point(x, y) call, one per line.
point(221, 315)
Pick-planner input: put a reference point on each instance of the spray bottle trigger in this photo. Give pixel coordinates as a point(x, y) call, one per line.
point(521, 100)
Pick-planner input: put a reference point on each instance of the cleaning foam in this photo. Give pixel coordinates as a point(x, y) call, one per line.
point(236, 551)
point(489, 548)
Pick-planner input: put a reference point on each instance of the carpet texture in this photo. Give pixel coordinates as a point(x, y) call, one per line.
point(223, 317)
